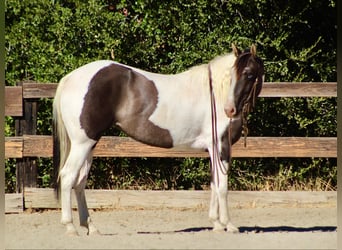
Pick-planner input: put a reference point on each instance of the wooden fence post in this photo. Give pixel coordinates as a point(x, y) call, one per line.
point(26, 169)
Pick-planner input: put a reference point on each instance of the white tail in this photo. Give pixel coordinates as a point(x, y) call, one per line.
point(61, 140)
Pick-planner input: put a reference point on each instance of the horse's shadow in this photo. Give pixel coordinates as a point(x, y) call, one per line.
point(278, 229)
point(255, 229)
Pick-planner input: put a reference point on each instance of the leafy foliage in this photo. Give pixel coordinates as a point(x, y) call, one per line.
point(297, 39)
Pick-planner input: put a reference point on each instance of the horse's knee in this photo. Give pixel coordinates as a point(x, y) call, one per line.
point(222, 193)
point(67, 182)
point(221, 189)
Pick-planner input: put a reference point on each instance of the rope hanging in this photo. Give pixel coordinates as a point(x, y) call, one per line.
point(216, 158)
point(247, 107)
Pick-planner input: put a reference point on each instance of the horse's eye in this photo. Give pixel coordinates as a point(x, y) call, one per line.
point(248, 72)
point(250, 76)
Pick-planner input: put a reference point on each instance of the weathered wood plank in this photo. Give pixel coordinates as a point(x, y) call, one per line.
point(41, 146)
point(127, 147)
point(256, 147)
point(299, 89)
point(39, 90)
point(287, 147)
point(13, 147)
point(270, 89)
point(13, 101)
point(14, 203)
point(37, 146)
point(114, 199)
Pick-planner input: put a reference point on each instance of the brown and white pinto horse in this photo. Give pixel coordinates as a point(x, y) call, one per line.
point(160, 110)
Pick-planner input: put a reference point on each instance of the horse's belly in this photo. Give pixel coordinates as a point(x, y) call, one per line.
point(184, 128)
point(185, 118)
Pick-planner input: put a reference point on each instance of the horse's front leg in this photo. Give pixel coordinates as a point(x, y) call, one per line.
point(215, 207)
point(222, 194)
point(214, 215)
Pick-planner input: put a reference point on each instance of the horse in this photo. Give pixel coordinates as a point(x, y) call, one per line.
point(201, 108)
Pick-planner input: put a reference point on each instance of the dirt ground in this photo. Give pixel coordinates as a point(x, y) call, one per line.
point(308, 227)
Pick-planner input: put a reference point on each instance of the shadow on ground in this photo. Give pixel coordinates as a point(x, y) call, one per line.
point(255, 229)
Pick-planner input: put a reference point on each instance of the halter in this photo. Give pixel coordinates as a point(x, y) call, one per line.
point(246, 109)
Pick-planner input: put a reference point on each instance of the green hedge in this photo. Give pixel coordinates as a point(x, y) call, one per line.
point(46, 39)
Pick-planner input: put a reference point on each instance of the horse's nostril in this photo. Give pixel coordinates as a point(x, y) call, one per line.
point(230, 112)
point(233, 111)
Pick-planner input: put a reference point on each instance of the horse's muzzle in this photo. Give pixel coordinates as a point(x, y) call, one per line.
point(230, 110)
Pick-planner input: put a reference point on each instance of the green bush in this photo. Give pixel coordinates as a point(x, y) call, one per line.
point(297, 40)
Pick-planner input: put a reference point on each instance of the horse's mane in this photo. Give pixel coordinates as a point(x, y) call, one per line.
point(220, 67)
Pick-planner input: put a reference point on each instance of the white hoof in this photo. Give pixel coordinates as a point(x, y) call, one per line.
point(231, 228)
point(93, 231)
point(71, 230)
point(218, 227)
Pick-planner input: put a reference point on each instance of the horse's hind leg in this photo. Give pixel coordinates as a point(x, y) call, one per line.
point(83, 212)
point(68, 175)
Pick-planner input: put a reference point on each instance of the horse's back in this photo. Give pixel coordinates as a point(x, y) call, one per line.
point(101, 94)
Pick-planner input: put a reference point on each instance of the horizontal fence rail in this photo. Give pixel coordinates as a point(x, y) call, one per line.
point(114, 146)
point(15, 95)
point(182, 199)
point(44, 198)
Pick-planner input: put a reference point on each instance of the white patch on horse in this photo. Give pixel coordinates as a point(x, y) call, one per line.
point(192, 107)
point(230, 104)
point(180, 109)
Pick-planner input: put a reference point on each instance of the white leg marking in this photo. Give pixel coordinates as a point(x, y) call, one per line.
point(68, 175)
point(214, 211)
point(218, 211)
point(83, 212)
point(223, 201)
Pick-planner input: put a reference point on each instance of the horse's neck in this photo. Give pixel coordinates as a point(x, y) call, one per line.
point(198, 76)
point(221, 68)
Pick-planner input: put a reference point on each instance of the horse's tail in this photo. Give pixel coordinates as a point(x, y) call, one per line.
point(61, 141)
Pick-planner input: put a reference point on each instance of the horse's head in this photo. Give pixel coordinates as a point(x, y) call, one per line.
point(246, 84)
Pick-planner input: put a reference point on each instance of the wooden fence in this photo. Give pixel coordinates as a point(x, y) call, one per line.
point(21, 103)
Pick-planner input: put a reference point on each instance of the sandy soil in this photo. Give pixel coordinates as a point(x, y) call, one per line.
point(311, 227)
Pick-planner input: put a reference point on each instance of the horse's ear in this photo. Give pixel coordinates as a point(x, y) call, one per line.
point(236, 51)
point(253, 50)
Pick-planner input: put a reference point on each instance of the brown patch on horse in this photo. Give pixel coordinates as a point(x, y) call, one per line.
point(241, 62)
point(249, 74)
point(248, 58)
point(118, 95)
point(236, 130)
